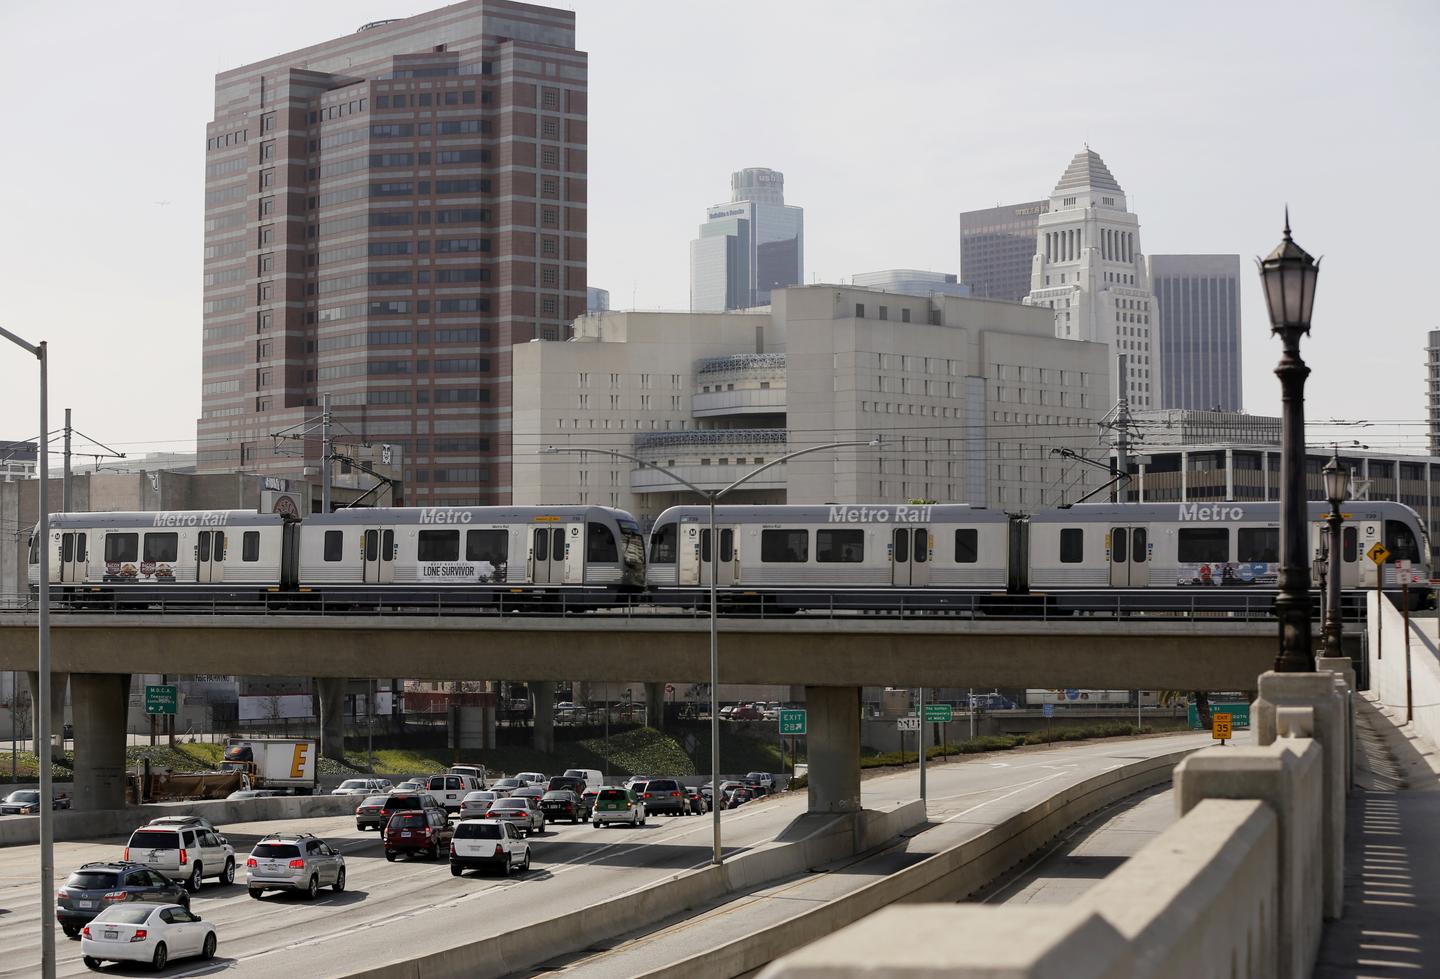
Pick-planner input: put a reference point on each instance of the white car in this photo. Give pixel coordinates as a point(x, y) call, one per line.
point(153, 933)
point(533, 778)
point(363, 786)
point(485, 843)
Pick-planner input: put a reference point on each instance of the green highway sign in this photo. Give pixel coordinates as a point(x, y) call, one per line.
point(939, 714)
point(792, 721)
point(160, 698)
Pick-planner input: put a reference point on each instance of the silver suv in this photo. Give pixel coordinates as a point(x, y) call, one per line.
point(294, 862)
point(187, 853)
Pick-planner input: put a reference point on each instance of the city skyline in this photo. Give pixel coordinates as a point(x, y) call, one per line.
point(1202, 159)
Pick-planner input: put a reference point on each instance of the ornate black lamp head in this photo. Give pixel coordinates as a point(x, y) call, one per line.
point(1289, 274)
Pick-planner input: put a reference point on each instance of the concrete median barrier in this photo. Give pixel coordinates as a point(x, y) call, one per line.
point(97, 824)
point(949, 875)
point(809, 842)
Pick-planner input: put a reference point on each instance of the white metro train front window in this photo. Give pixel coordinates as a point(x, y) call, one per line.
point(1400, 541)
point(662, 544)
point(600, 544)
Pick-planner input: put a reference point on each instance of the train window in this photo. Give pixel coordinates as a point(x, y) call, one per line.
point(81, 554)
point(490, 546)
point(967, 546)
point(1258, 545)
point(387, 545)
point(600, 543)
point(334, 544)
point(202, 552)
point(1349, 544)
point(662, 544)
point(250, 545)
point(921, 552)
point(784, 546)
point(902, 547)
point(34, 551)
point(372, 545)
point(1120, 545)
point(557, 545)
point(438, 545)
point(727, 545)
point(67, 548)
point(122, 547)
point(705, 546)
point(1138, 548)
point(1401, 542)
point(840, 546)
point(162, 547)
point(1072, 545)
point(1204, 545)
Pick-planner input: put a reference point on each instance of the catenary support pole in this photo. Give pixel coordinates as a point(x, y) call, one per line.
point(326, 451)
point(67, 498)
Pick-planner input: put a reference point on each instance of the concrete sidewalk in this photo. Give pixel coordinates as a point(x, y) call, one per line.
point(1391, 922)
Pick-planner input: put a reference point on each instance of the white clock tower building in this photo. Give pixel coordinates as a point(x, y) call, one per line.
point(1089, 269)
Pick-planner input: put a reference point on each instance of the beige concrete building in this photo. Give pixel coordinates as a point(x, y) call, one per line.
point(970, 398)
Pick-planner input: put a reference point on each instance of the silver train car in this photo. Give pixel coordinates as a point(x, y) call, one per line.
point(393, 556)
point(1216, 555)
point(217, 555)
point(470, 554)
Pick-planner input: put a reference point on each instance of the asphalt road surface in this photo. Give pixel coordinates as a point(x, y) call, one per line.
point(417, 906)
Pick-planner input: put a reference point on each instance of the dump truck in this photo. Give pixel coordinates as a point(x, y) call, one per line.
point(274, 763)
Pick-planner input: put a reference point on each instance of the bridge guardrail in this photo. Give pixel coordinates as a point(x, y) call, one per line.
point(1226, 606)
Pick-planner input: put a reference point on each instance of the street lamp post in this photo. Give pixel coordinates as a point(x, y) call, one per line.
point(711, 496)
point(1337, 482)
point(42, 696)
point(1289, 275)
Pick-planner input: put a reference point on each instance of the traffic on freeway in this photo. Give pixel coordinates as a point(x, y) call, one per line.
point(310, 919)
point(324, 883)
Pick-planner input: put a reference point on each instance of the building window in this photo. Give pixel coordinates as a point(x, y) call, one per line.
point(884, 312)
point(549, 246)
point(550, 98)
point(550, 129)
point(904, 316)
point(550, 158)
point(859, 311)
point(550, 187)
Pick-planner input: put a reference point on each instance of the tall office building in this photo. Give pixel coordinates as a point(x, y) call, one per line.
point(996, 246)
point(1089, 269)
point(748, 246)
point(386, 214)
point(1197, 298)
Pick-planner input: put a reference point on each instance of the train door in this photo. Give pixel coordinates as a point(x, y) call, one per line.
point(210, 557)
point(72, 556)
point(378, 553)
point(1129, 557)
point(910, 556)
point(1367, 536)
point(726, 567)
point(547, 554)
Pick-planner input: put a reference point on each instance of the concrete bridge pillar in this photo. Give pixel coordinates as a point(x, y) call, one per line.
point(57, 711)
point(833, 742)
point(332, 716)
point(655, 705)
point(100, 703)
point(544, 693)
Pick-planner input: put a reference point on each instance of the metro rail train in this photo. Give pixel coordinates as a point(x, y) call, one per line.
point(1088, 557)
point(1219, 555)
point(389, 555)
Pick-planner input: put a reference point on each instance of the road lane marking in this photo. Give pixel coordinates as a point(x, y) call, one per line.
point(998, 798)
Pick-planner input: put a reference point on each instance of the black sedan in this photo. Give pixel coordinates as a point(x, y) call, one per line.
point(24, 802)
point(559, 804)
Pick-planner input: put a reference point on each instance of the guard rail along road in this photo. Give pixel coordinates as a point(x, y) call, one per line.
point(1239, 886)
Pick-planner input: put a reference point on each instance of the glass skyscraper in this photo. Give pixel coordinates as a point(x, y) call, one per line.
point(748, 246)
point(1198, 299)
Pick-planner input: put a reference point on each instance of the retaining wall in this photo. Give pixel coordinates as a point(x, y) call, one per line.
point(1387, 667)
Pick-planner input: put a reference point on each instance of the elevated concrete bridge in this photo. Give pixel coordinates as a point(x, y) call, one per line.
point(832, 657)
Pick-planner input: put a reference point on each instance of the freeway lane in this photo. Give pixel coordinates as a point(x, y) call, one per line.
point(391, 910)
point(965, 801)
point(574, 865)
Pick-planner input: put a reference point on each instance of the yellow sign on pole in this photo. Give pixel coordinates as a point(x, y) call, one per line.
point(1220, 727)
point(1378, 553)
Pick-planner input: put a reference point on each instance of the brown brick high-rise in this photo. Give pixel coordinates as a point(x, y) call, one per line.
point(385, 215)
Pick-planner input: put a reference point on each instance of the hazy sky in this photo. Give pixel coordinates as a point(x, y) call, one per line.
point(887, 119)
